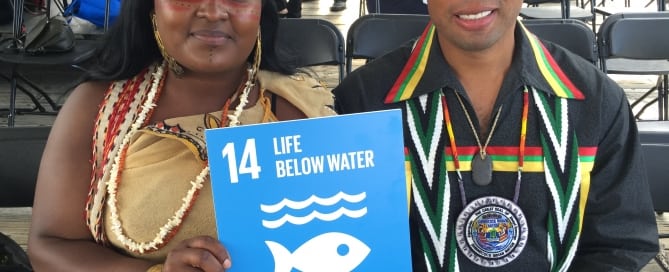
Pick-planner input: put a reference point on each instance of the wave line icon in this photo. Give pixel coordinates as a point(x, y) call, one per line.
point(273, 224)
point(299, 205)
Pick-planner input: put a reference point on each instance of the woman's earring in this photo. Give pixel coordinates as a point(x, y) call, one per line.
point(257, 57)
point(176, 68)
point(255, 66)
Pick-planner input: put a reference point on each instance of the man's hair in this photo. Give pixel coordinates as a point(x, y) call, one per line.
point(129, 45)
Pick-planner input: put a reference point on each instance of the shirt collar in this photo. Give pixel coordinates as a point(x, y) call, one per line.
point(534, 66)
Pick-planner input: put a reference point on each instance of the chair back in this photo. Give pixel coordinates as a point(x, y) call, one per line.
point(20, 155)
point(654, 137)
point(534, 3)
point(564, 10)
point(373, 35)
point(311, 42)
point(574, 35)
point(634, 36)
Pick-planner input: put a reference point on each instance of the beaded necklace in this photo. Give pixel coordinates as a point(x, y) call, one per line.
point(169, 229)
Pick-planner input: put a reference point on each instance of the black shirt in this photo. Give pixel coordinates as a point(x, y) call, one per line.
point(582, 160)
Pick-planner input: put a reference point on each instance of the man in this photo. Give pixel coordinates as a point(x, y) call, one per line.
point(521, 156)
point(289, 9)
point(338, 5)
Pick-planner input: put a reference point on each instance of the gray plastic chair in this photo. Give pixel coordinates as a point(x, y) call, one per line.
point(10, 54)
point(20, 155)
point(311, 42)
point(654, 137)
point(636, 44)
point(608, 11)
point(563, 10)
point(574, 35)
point(541, 9)
point(373, 35)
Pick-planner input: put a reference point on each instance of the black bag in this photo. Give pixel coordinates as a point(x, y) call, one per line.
point(12, 256)
point(49, 35)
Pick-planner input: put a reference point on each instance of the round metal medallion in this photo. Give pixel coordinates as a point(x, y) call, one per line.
point(491, 231)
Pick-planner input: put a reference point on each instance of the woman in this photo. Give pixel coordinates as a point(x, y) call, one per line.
point(168, 70)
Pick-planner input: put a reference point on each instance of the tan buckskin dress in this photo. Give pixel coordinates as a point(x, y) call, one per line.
point(163, 158)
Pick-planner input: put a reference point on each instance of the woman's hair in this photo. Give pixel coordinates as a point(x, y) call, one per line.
point(129, 45)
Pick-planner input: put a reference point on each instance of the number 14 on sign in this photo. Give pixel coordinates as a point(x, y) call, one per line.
point(248, 164)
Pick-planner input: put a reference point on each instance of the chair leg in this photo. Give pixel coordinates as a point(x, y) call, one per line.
point(662, 88)
point(665, 96)
point(642, 98)
point(645, 106)
point(11, 116)
point(661, 260)
point(661, 97)
point(649, 3)
point(33, 98)
point(46, 96)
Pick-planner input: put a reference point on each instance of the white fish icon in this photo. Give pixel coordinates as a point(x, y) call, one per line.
point(328, 252)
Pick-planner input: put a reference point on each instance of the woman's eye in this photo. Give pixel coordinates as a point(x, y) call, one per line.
point(188, 2)
point(223, 2)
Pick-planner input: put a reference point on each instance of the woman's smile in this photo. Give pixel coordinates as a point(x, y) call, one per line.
point(212, 37)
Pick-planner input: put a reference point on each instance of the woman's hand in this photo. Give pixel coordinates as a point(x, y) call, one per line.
point(202, 253)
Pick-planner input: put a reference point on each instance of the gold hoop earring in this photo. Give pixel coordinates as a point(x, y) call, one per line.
point(258, 54)
point(255, 66)
point(172, 64)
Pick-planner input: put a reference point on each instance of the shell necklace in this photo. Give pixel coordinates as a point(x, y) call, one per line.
point(169, 229)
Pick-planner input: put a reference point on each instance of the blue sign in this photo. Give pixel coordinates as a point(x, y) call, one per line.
point(321, 194)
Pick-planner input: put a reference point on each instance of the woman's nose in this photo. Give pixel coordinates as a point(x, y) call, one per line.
point(214, 10)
